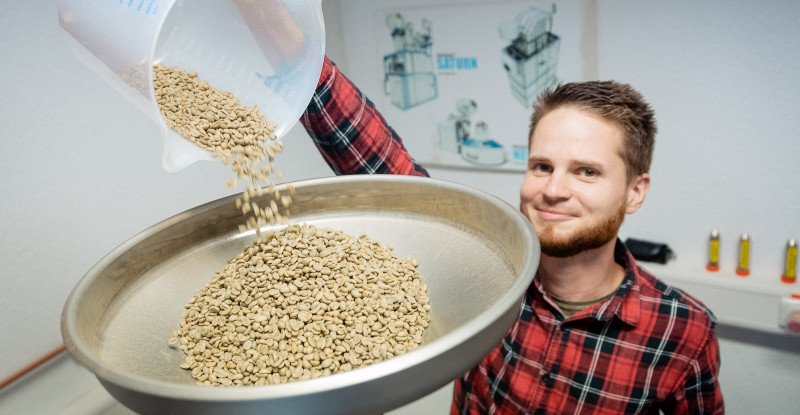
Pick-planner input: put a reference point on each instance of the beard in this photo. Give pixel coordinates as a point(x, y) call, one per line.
point(591, 237)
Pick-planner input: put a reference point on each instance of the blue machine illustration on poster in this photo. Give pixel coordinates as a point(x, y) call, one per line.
point(457, 127)
point(409, 78)
point(531, 59)
point(474, 145)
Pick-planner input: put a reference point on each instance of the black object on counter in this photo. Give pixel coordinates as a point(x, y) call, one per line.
point(649, 251)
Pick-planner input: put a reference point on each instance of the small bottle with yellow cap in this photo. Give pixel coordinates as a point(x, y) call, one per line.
point(713, 252)
point(790, 264)
point(743, 267)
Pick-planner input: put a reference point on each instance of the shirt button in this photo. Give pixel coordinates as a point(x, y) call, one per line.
point(549, 379)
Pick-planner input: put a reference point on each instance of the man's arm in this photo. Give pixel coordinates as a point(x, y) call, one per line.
point(350, 133)
point(469, 393)
point(700, 393)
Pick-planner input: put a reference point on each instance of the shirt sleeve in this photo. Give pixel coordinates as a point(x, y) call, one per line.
point(469, 393)
point(350, 133)
point(699, 393)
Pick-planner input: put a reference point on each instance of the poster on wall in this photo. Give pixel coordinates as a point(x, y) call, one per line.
point(466, 76)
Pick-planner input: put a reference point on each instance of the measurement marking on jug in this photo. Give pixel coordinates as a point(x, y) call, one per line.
point(149, 10)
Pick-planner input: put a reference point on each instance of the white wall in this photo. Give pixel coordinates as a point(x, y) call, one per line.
point(81, 170)
point(723, 78)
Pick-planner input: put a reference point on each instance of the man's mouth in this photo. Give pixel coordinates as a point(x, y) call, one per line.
point(551, 214)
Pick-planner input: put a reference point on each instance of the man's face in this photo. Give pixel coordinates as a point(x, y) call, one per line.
point(575, 191)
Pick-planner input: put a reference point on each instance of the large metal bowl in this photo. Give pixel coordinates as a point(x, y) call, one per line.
point(477, 255)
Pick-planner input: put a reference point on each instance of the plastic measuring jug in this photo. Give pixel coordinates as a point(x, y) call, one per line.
point(266, 52)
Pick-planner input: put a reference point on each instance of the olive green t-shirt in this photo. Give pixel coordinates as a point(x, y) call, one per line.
point(569, 308)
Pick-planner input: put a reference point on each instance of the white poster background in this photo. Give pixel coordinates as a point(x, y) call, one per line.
point(472, 32)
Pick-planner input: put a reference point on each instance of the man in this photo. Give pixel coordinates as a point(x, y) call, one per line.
point(595, 333)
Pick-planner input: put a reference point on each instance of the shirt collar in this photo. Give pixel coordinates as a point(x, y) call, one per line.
point(625, 303)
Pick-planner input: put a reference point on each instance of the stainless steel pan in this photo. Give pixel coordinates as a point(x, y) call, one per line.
point(477, 255)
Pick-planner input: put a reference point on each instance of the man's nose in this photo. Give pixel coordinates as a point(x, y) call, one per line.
point(557, 187)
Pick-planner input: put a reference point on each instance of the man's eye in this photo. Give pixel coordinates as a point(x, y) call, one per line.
point(589, 172)
point(544, 168)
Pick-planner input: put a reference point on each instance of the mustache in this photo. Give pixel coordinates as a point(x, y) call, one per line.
point(555, 208)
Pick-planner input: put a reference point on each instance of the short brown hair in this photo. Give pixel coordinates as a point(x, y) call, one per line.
point(612, 101)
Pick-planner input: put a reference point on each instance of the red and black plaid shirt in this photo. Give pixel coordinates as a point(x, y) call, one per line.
point(648, 348)
point(350, 133)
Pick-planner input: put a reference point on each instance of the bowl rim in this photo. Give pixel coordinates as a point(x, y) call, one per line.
point(145, 385)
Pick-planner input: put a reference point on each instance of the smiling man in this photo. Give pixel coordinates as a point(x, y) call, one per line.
point(595, 333)
point(581, 182)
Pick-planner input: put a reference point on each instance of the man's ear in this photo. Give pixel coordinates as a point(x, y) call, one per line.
point(637, 191)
